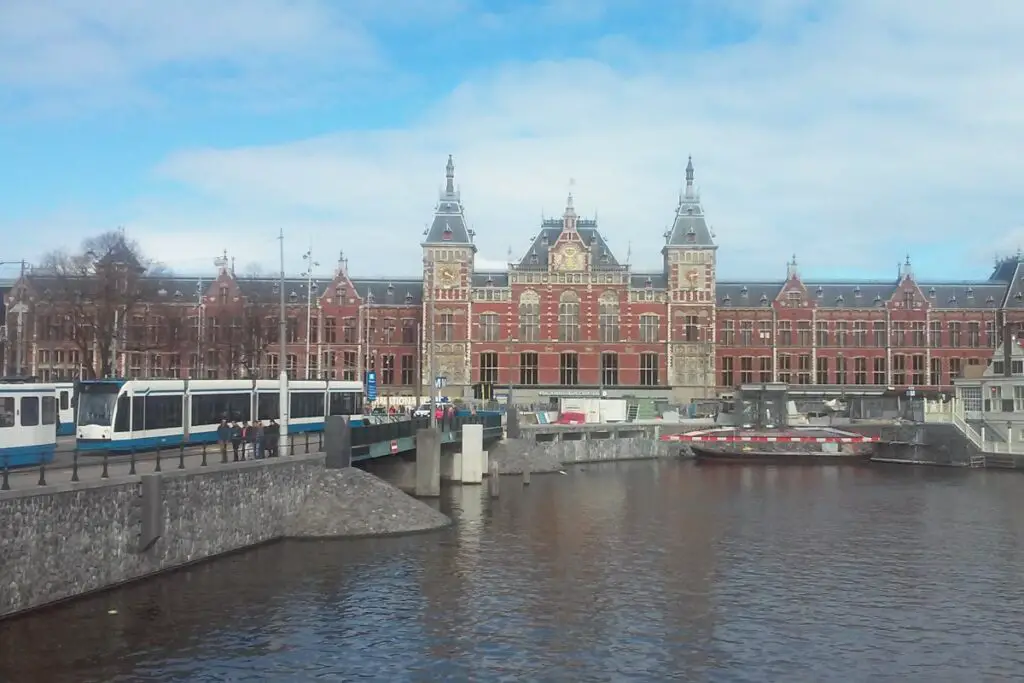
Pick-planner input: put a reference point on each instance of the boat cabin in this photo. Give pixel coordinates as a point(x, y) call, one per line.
point(762, 406)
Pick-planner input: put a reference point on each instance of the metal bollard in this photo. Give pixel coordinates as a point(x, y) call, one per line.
point(181, 457)
point(307, 443)
point(42, 473)
point(103, 475)
point(157, 468)
point(320, 442)
point(5, 483)
point(74, 465)
point(131, 461)
point(203, 464)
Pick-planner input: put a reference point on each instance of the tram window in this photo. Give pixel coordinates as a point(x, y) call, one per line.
point(163, 412)
point(269, 407)
point(138, 413)
point(307, 404)
point(49, 410)
point(121, 414)
point(29, 411)
point(209, 409)
point(346, 403)
point(7, 411)
point(65, 400)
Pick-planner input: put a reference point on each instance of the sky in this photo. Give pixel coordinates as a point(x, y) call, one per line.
point(850, 133)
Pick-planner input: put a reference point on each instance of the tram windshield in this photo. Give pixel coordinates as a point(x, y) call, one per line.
point(96, 404)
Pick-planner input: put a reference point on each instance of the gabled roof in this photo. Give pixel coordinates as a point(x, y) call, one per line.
point(536, 257)
point(1011, 271)
point(379, 291)
point(449, 225)
point(689, 229)
point(490, 279)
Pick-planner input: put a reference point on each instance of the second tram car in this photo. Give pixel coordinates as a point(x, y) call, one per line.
point(65, 408)
point(28, 416)
point(124, 415)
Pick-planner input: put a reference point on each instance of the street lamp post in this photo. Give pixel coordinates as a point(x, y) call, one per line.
point(283, 399)
point(310, 285)
point(19, 310)
point(429, 269)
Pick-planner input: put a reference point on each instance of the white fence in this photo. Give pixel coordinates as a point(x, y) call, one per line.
point(977, 436)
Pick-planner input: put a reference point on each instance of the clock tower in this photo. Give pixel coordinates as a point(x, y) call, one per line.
point(690, 255)
point(448, 253)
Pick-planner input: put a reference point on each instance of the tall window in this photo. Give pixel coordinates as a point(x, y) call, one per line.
point(785, 368)
point(649, 369)
point(330, 330)
point(727, 378)
point(821, 333)
point(446, 324)
point(529, 368)
point(746, 370)
point(973, 334)
point(860, 371)
point(878, 330)
point(349, 361)
point(389, 331)
point(409, 331)
point(899, 334)
point(746, 331)
point(569, 369)
point(764, 372)
point(935, 375)
point(990, 334)
point(691, 328)
point(348, 331)
point(899, 370)
point(860, 334)
point(387, 369)
point(917, 370)
point(822, 371)
point(918, 335)
point(841, 363)
point(879, 372)
point(803, 333)
point(408, 369)
point(489, 367)
point(490, 327)
point(785, 335)
point(935, 334)
point(649, 328)
point(804, 369)
point(569, 318)
point(609, 369)
point(728, 333)
point(608, 317)
point(842, 334)
point(954, 335)
point(291, 331)
point(956, 366)
point(529, 317)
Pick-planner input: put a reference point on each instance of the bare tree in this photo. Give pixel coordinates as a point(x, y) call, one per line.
point(96, 290)
point(240, 346)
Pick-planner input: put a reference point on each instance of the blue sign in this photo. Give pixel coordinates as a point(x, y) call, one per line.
point(371, 385)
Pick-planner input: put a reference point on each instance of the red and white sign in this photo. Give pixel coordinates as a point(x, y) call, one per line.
point(763, 438)
point(394, 446)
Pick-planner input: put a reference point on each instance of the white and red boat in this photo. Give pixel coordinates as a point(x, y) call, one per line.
point(792, 445)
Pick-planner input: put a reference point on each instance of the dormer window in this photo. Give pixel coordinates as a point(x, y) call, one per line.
point(648, 283)
point(764, 300)
point(447, 234)
point(878, 299)
point(839, 300)
point(1018, 296)
point(990, 301)
point(275, 288)
point(178, 294)
point(819, 291)
point(744, 291)
point(293, 297)
point(544, 239)
point(727, 300)
point(490, 281)
point(408, 297)
point(931, 292)
point(856, 291)
point(391, 289)
point(952, 300)
point(970, 292)
point(689, 211)
point(534, 259)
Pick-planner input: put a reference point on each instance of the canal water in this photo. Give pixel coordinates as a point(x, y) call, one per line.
point(642, 571)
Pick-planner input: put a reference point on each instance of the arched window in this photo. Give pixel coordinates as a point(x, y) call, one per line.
point(529, 316)
point(569, 317)
point(608, 317)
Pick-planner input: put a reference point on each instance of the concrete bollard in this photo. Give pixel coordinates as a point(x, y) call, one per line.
point(526, 475)
point(494, 481)
point(428, 463)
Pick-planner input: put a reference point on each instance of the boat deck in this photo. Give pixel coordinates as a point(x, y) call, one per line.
point(794, 435)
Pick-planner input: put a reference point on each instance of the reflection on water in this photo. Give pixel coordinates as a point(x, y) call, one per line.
point(622, 572)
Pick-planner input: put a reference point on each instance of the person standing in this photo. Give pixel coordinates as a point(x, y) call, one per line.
point(273, 436)
point(223, 438)
point(236, 439)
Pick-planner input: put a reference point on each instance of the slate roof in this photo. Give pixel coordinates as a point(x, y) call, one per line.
point(656, 281)
point(449, 224)
point(490, 279)
point(601, 257)
point(1004, 288)
point(690, 229)
point(381, 291)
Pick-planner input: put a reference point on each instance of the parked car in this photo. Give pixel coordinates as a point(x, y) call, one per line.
point(422, 411)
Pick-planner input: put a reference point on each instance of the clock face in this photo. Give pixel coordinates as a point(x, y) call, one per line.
point(449, 276)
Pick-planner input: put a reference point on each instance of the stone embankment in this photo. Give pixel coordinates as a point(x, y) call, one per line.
point(540, 453)
point(69, 539)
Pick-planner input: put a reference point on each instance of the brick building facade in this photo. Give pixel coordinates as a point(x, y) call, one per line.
point(567, 318)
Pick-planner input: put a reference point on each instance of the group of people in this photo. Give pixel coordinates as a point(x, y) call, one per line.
point(248, 439)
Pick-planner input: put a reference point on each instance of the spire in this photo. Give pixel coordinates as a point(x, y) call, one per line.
point(569, 218)
point(449, 174)
point(689, 177)
point(905, 270)
point(791, 269)
point(342, 264)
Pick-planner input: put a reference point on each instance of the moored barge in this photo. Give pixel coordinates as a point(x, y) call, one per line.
point(792, 446)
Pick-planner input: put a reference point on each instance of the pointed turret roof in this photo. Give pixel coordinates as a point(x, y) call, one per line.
point(689, 229)
point(449, 225)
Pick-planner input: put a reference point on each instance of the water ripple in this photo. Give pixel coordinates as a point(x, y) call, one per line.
point(622, 572)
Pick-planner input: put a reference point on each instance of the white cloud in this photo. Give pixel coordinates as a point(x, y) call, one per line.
point(849, 131)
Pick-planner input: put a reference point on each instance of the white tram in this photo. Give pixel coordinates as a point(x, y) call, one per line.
point(28, 417)
point(123, 415)
point(65, 408)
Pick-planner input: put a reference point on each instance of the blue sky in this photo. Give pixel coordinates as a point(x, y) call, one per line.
point(849, 132)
